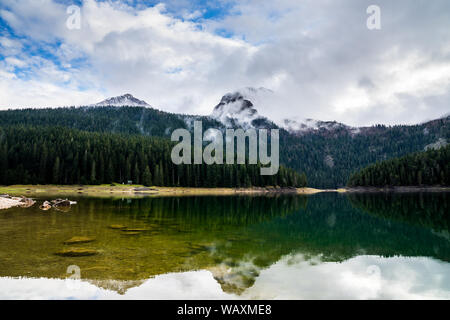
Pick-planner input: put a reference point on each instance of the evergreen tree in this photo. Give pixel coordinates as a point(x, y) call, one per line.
point(93, 173)
point(147, 177)
point(56, 171)
point(26, 158)
point(423, 168)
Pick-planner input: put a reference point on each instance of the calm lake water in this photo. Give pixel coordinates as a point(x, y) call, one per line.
point(360, 246)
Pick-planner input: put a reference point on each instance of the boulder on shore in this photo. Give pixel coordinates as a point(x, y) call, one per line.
point(26, 202)
point(6, 202)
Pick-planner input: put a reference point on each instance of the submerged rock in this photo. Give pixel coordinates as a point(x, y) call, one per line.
point(117, 226)
point(76, 252)
point(61, 203)
point(74, 240)
point(136, 229)
point(128, 233)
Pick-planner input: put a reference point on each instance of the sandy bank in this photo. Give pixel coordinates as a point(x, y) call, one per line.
point(119, 190)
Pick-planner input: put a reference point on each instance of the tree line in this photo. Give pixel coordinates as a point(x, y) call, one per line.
point(58, 155)
point(428, 168)
point(328, 157)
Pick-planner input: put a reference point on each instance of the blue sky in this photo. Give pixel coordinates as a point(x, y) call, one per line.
point(202, 10)
point(212, 9)
point(317, 57)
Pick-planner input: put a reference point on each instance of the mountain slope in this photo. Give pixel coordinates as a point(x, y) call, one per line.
point(431, 167)
point(66, 156)
point(328, 155)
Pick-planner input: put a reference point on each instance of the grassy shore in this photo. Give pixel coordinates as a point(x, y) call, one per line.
point(121, 190)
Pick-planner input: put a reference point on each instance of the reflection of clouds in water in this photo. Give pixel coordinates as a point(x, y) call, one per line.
point(186, 285)
point(235, 277)
point(293, 277)
point(363, 277)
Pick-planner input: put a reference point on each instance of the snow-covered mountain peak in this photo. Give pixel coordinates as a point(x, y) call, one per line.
point(299, 126)
point(124, 100)
point(237, 108)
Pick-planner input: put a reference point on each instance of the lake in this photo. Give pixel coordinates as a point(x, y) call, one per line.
point(323, 246)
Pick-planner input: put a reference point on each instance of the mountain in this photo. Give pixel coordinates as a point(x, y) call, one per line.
point(236, 109)
point(299, 127)
point(239, 109)
point(328, 152)
point(120, 101)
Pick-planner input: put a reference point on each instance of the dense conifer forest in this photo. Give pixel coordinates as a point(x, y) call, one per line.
point(58, 155)
point(327, 157)
point(427, 168)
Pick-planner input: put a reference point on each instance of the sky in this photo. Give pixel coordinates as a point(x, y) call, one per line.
point(318, 57)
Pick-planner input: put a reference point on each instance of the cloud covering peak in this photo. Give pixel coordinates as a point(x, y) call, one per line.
point(318, 57)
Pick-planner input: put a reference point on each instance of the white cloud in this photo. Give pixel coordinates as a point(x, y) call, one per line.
point(317, 56)
point(187, 285)
point(293, 277)
point(362, 277)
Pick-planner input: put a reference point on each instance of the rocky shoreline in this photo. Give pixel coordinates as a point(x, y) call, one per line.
point(6, 202)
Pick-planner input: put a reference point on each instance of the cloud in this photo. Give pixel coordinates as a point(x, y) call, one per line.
point(362, 277)
point(318, 57)
point(292, 277)
point(186, 285)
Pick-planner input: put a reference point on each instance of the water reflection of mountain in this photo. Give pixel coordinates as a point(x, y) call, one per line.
point(329, 227)
point(234, 237)
point(246, 234)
